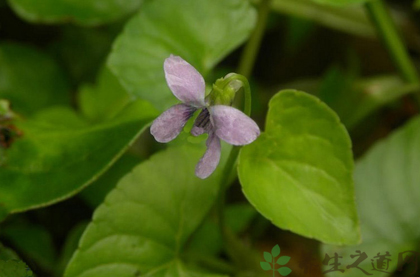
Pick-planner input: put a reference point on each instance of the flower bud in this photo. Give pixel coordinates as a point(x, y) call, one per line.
point(224, 90)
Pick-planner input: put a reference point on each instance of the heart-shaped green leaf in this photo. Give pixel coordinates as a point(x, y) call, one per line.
point(144, 223)
point(201, 32)
point(298, 173)
point(84, 12)
point(388, 200)
point(28, 88)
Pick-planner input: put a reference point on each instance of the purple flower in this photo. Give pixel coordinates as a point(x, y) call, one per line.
point(219, 121)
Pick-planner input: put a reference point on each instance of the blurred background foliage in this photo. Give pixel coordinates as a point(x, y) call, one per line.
point(330, 51)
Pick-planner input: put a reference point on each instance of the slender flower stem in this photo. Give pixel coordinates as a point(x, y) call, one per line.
point(247, 90)
point(230, 164)
point(238, 252)
point(251, 49)
point(388, 32)
point(245, 68)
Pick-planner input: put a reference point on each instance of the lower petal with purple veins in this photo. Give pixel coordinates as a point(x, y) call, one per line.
point(170, 123)
point(211, 158)
point(196, 131)
point(202, 123)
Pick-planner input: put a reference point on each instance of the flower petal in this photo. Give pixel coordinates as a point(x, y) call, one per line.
point(211, 158)
point(233, 126)
point(185, 82)
point(170, 123)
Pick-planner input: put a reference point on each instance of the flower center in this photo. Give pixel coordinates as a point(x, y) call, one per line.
point(203, 120)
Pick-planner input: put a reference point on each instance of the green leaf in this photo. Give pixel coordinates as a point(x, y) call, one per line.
point(351, 19)
point(34, 242)
point(113, 98)
point(32, 175)
point(298, 173)
point(275, 251)
point(91, 46)
point(144, 223)
point(95, 194)
point(265, 265)
point(208, 240)
point(15, 268)
point(28, 88)
point(202, 32)
point(388, 199)
point(268, 257)
point(84, 12)
point(284, 271)
point(57, 142)
point(283, 260)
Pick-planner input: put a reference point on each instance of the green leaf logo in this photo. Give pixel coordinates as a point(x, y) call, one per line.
point(284, 271)
point(275, 251)
point(283, 260)
point(265, 265)
point(270, 263)
point(268, 257)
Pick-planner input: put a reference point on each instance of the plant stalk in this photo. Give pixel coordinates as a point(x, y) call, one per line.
point(251, 48)
point(235, 249)
point(387, 30)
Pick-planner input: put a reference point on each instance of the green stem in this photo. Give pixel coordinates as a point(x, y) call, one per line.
point(228, 237)
point(388, 32)
point(233, 155)
point(251, 49)
point(245, 67)
point(247, 90)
